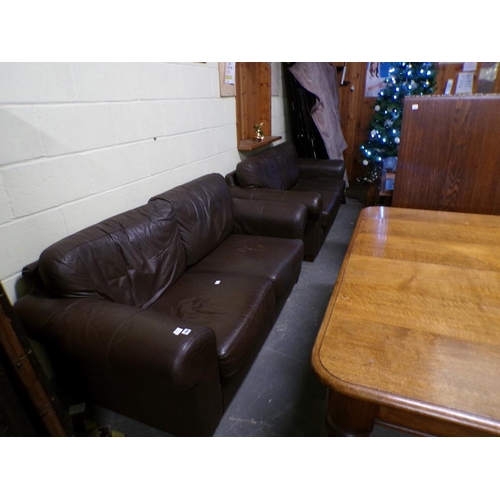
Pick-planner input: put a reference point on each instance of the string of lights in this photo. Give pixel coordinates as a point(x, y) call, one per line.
point(404, 78)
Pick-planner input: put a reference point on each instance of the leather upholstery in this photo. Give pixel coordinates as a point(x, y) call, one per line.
point(259, 256)
point(287, 158)
point(234, 306)
point(131, 258)
point(203, 211)
point(280, 220)
point(158, 313)
point(279, 175)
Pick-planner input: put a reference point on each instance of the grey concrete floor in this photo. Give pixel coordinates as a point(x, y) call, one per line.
point(281, 395)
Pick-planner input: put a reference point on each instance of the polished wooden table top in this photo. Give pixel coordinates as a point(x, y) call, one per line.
point(414, 319)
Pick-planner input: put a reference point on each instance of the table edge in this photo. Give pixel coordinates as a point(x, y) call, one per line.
point(375, 396)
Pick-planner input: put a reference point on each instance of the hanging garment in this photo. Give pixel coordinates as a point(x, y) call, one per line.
point(320, 78)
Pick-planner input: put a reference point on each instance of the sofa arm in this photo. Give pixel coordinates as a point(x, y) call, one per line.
point(122, 338)
point(311, 200)
point(265, 218)
point(312, 168)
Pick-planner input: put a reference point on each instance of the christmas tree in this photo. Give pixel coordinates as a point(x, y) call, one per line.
point(404, 78)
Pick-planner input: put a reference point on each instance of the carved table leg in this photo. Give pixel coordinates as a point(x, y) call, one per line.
point(349, 417)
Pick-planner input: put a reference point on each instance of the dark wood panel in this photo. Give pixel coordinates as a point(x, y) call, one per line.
point(449, 156)
point(356, 110)
point(25, 391)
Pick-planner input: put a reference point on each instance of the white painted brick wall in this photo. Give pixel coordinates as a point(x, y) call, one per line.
point(83, 213)
point(80, 142)
point(279, 123)
point(6, 213)
point(230, 111)
point(36, 83)
point(181, 116)
point(41, 185)
point(200, 144)
point(225, 140)
point(71, 128)
point(102, 82)
point(166, 152)
point(139, 192)
point(212, 113)
point(116, 166)
point(160, 81)
point(135, 121)
point(19, 236)
point(197, 83)
point(19, 134)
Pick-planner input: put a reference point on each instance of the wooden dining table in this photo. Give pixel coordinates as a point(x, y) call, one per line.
point(411, 336)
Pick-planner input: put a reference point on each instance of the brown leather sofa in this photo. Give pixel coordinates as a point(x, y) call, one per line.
point(278, 174)
point(158, 313)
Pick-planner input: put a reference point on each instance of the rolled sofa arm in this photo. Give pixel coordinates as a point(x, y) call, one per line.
point(311, 200)
point(312, 168)
point(265, 218)
point(121, 337)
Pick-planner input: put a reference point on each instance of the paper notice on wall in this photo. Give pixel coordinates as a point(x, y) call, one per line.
point(487, 78)
point(229, 73)
point(469, 66)
point(449, 86)
point(464, 83)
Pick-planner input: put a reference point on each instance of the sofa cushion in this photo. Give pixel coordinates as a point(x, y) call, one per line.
point(260, 171)
point(203, 209)
point(131, 258)
point(235, 307)
point(287, 158)
point(278, 260)
point(331, 190)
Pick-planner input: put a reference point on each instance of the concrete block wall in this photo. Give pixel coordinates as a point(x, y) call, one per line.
point(80, 142)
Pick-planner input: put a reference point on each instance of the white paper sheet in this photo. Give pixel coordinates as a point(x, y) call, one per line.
point(464, 83)
point(229, 73)
point(469, 66)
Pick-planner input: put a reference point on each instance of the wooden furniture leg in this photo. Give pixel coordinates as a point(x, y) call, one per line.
point(349, 417)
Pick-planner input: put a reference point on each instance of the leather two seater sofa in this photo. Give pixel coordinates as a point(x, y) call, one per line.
point(278, 174)
point(158, 313)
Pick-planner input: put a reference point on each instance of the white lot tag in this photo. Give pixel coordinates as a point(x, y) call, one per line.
point(217, 282)
point(177, 331)
point(186, 331)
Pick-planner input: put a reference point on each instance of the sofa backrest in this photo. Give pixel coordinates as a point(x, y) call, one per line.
point(260, 171)
point(131, 258)
point(287, 159)
point(274, 168)
point(204, 212)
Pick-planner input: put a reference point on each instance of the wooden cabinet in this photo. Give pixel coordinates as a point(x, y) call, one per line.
point(356, 110)
point(449, 156)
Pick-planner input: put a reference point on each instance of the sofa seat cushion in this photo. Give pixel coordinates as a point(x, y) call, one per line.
point(235, 307)
point(278, 260)
point(331, 190)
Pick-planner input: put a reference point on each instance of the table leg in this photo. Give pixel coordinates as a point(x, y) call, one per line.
point(349, 417)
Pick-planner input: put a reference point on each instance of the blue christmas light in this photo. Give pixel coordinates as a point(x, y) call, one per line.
point(404, 79)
